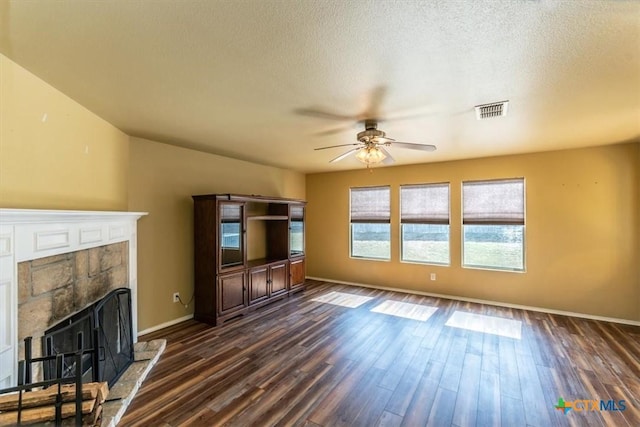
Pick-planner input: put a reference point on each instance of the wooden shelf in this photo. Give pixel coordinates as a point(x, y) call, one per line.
point(268, 217)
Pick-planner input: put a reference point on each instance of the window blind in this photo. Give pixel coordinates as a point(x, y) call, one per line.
point(230, 212)
point(371, 204)
point(493, 202)
point(297, 213)
point(424, 204)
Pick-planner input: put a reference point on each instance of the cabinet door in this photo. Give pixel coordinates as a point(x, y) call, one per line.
point(278, 278)
point(231, 293)
point(258, 284)
point(296, 231)
point(231, 234)
point(297, 274)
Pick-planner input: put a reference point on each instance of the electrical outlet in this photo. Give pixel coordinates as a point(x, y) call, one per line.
point(176, 297)
point(433, 276)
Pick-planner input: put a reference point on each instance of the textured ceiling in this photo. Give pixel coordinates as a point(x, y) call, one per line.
point(230, 77)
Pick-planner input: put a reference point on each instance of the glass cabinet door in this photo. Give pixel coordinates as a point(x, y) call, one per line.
point(231, 234)
point(296, 231)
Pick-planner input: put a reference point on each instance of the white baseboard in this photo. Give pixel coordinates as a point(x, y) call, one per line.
point(165, 324)
point(430, 294)
point(481, 301)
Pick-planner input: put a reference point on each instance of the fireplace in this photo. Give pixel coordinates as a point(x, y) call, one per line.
point(41, 254)
point(103, 331)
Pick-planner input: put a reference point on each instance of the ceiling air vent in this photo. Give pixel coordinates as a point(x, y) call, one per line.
point(495, 109)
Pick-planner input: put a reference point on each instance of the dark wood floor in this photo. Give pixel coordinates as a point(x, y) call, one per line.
point(302, 362)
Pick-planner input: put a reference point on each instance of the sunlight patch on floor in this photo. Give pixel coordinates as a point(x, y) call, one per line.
point(488, 324)
point(405, 309)
point(343, 299)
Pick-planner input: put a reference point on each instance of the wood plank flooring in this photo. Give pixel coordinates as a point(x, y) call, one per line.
point(314, 363)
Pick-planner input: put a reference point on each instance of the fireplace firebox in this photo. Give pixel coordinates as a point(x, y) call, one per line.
point(102, 331)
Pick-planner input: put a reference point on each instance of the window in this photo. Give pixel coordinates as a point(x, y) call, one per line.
point(370, 222)
point(493, 224)
point(424, 219)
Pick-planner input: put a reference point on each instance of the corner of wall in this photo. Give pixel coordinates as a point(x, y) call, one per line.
point(56, 154)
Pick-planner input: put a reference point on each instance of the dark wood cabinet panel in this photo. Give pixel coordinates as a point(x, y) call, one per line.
point(267, 281)
point(278, 239)
point(231, 230)
point(205, 266)
point(278, 278)
point(231, 292)
point(298, 274)
point(258, 284)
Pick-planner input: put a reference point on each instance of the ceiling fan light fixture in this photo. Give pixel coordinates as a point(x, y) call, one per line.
point(370, 155)
point(371, 146)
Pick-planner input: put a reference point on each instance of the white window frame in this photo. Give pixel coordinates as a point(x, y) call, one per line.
point(374, 218)
point(517, 219)
point(430, 219)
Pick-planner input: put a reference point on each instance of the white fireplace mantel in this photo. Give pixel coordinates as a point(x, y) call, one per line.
point(27, 234)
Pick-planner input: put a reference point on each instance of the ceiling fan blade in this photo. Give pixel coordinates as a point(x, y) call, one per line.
point(315, 112)
point(334, 131)
point(343, 155)
point(413, 146)
point(398, 118)
point(377, 97)
point(387, 160)
point(336, 146)
point(385, 140)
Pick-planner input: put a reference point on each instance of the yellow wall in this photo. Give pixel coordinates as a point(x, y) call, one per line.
point(637, 231)
point(583, 207)
point(72, 159)
point(76, 160)
point(162, 180)
point(582, 231)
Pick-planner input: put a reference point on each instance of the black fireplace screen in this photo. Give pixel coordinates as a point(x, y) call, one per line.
point(103, 331)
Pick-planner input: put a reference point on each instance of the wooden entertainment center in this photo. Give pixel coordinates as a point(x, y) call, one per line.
point(248, 251)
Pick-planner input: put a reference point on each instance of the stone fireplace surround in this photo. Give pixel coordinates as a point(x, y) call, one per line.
point(42, 252)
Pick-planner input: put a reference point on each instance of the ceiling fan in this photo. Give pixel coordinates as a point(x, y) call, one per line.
point(371, 146)
point(371, 113)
